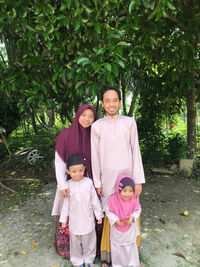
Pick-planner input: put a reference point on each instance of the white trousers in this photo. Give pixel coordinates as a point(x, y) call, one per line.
point(124, 255)
point(83, 248)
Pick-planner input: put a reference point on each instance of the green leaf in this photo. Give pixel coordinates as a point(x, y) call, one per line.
point(77, 25)
point(64, 6)
point(78, 11)
point(115, 69)
point(51, 29)
point(170, 5)
point(96, 67)
point(97, 27)
point(107, 66)
point(83, 60)
point(55, 76)
point(79, 84)
point(93, 89)
point(123, 44)
point(132, 4)
point(50, 7)
point(137, 60)
point(120, 62)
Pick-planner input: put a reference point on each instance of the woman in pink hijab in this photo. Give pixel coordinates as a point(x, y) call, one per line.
point(73, 140)
point(123, 210)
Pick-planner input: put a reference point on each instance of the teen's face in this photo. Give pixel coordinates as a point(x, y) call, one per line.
point(111, 103)
point(76, 172)
point(86, 119)
point(127, 192)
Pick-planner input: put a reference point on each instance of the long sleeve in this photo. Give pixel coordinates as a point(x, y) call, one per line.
point(136, 214)
point(95, 155)
point(60, 167)
point(111, 216)
point(65, 211)
point(138, 171)
point(96, 204)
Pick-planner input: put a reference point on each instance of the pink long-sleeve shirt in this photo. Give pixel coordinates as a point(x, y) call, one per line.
point(115, 151)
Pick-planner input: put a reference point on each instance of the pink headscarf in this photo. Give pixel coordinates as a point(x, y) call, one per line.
point(120, 207)
point(76, 140)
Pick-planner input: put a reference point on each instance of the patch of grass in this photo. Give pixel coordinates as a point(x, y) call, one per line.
point(145, 260)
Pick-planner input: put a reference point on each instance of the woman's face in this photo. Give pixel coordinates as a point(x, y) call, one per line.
point(86, 119)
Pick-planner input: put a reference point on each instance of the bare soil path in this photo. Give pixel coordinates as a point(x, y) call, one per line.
point(169, 239)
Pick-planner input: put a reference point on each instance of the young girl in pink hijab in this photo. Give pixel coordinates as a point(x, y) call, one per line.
point(123, 210)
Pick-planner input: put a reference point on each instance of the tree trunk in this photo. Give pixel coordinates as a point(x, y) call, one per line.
point(191, 125)
point(132, 106)
point(51, 117)
point(123, 86)
point(34, 123)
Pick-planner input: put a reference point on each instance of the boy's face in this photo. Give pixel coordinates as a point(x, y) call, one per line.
point(127, 192)
point(76, 172)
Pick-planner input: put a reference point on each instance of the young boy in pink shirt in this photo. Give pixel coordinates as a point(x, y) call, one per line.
point(82, 206)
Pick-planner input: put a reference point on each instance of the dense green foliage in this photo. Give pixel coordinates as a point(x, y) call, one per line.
point(60, 53)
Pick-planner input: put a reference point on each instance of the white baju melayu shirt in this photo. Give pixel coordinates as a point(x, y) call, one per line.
point(115, 151)
point(81, 206)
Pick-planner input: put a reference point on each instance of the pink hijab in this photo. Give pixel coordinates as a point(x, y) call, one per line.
point(76, 140)
point(120, 207)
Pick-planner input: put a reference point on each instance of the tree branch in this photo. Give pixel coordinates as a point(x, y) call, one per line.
point(175, 20)
point(8, 188)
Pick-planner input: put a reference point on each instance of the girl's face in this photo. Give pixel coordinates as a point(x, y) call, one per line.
point(127, 192)
point(86, 119)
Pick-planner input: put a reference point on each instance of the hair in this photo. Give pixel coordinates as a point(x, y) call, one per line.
point(126, 181)
point(107, 88)
point(74, 159)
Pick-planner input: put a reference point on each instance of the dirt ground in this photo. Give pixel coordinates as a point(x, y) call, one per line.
point(168, 239)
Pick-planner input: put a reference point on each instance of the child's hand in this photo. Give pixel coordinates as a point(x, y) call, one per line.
point(99, 221)
point(119, 223)
point(65, 192)
point(64, 225)
point(131, 219)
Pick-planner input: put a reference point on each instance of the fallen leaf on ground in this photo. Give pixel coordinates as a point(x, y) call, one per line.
point(179, 255)
point(31, 234)
point(33, 244)
point(162, 221)
point(23, 252)
point(1, 226)
point(32, 214)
